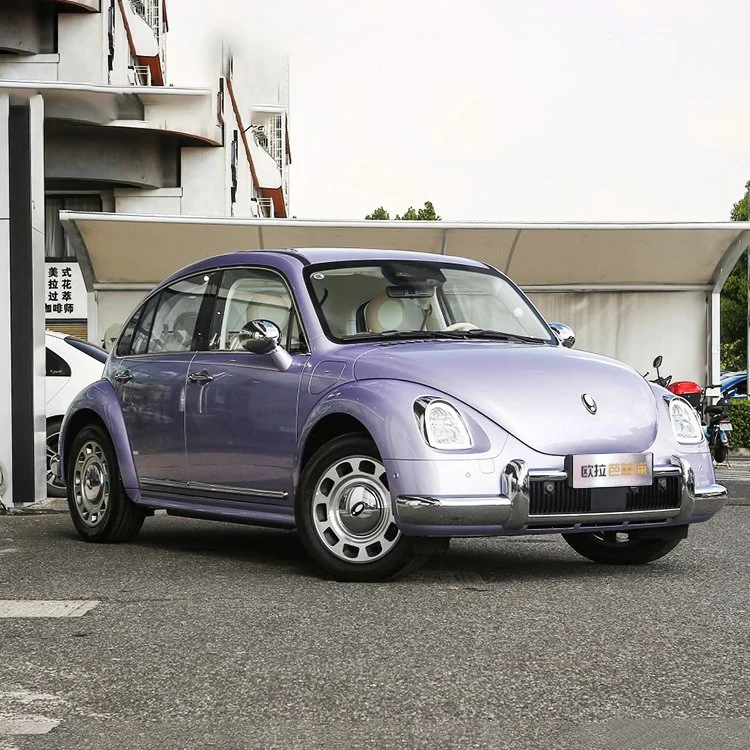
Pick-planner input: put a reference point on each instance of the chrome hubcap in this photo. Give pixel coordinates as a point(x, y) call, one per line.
point(53, 458)
point(91, 485)
point(352, 510)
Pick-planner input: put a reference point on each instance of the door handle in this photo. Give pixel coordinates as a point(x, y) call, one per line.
point(123, 376)
point(200, 377)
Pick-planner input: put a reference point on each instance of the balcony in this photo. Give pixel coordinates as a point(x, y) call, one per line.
point(91, 6)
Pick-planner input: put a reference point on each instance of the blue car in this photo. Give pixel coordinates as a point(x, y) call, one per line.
point(734, 385)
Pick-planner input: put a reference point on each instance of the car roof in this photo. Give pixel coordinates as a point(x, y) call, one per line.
point(56, 334)
point(315, 255)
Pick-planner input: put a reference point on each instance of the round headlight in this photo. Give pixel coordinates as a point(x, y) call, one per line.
point(685, 423)
point(443, 426)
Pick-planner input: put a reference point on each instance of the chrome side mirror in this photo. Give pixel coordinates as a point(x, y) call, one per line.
point(565, 334)
point(262, 337)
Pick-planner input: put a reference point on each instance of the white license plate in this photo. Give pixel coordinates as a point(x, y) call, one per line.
point(725, 426)
point(610, 470)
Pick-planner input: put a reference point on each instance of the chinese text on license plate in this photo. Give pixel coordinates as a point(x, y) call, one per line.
point(610, 470)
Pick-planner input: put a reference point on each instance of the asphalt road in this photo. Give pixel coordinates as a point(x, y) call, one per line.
point(212, 635)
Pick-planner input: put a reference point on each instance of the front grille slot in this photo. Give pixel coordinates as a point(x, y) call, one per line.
point(664, 494)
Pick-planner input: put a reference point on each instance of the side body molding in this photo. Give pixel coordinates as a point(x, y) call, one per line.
point(101, 400)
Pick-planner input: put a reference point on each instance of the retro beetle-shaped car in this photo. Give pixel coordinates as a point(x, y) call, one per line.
point(380, 402)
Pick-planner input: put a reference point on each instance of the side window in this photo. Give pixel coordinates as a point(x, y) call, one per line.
point(126, 338)
point(176, 317)
point(57, 367)
point(253, 294)
point(143, 329)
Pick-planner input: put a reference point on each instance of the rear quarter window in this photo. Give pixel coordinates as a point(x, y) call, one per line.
point(57, 367)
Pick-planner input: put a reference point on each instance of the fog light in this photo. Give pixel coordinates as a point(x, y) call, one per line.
point(662, 484)
point(549, 488)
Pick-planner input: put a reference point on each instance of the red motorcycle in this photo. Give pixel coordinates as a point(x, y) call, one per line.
point(714, 417)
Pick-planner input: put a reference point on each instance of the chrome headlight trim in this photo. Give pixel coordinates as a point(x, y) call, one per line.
point(681, 412)
point(426, 411)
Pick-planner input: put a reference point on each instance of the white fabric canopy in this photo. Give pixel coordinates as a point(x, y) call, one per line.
point(145, 249)
point(630, 290)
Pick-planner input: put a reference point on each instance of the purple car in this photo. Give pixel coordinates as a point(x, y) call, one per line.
point(380, 402)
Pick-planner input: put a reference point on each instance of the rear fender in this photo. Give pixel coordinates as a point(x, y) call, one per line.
point(98, 403)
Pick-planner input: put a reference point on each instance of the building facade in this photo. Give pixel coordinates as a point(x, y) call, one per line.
point(84, 88)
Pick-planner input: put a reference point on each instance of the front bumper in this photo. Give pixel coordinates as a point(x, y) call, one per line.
point(510, 513)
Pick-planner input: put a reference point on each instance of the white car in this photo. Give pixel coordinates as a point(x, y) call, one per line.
point(72, 364)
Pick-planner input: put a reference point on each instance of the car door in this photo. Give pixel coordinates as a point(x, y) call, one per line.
point(241, 410)
point(149, 375)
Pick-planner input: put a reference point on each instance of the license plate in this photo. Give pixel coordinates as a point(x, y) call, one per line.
point(610, 470)
point(725, 426)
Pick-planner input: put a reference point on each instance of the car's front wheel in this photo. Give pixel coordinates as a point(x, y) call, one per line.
point(345, 517)
point(617, 548)
point(99, 507)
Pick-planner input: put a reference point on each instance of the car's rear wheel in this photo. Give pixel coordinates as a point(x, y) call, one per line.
point(345, 516)
point(55, 486)
point(617, 548)
point(99, 507)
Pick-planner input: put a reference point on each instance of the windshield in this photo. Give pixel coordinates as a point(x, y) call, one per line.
point(421, 300)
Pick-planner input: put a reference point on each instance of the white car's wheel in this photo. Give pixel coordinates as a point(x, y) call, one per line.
point(345, 516)
point(55, 487)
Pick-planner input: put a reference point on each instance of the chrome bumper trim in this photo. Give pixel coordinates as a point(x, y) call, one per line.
point(510, 510)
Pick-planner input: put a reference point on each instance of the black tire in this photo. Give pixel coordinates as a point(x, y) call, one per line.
point(395, 557)
point(608, 548)
point(720, 452)
point(55, 488)
point(99, 507)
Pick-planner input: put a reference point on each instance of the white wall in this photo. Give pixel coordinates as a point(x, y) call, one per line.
point(34, 68)
point(160, 202)
point(205, 181)
point(115, 307)
point(82, 44)
point(636, 326)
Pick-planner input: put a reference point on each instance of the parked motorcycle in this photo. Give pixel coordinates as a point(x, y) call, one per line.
point(714, 417)
point(659, 380)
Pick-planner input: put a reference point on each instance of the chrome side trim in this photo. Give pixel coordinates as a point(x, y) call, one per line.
point(228, 489)
point(169, 483)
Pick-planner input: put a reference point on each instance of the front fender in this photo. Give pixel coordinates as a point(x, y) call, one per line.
point(386, 409)
point(99, 400)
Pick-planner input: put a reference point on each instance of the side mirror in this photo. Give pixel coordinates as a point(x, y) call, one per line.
point(565, 334)
point(657, 362)
point(262, 337)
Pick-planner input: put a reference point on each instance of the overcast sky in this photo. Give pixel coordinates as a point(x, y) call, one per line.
point(503, 111)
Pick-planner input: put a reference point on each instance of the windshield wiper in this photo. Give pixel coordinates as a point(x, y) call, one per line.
point(483, 333)
point(479, 333)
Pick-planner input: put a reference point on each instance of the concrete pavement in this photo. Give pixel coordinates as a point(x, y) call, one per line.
point(212, 635)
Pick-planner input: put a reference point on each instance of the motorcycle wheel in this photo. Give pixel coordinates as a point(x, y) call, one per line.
point(720, 453)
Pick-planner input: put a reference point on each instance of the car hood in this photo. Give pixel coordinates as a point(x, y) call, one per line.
point(533, 392)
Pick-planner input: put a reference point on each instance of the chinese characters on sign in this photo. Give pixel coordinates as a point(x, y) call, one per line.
point(65, 295)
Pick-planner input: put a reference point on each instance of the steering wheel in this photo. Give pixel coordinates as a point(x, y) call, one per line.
point(462, 326)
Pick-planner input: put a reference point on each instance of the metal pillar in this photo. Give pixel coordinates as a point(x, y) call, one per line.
point(22, 351)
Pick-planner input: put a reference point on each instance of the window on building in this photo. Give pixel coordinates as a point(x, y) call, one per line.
point(56, 244)
point(235, 163)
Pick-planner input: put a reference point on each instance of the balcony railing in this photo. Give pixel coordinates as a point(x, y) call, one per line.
point(266, 207)
point(140, 75)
